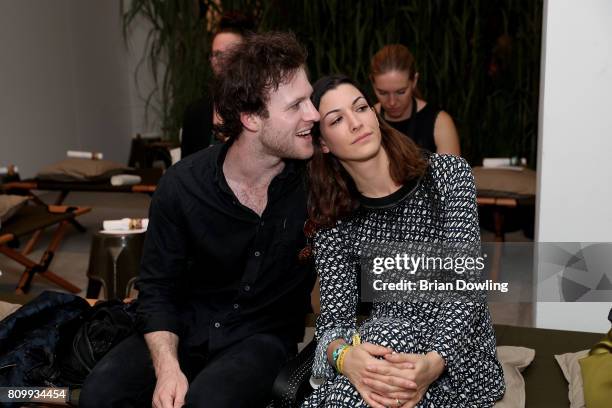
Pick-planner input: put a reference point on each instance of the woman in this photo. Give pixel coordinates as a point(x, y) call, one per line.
point(394, 79)
point(369, 183)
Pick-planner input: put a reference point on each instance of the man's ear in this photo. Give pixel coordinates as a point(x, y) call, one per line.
point(324, 147)
point(250, 121)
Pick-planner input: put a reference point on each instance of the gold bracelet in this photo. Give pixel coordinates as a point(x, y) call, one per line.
point(340, 362)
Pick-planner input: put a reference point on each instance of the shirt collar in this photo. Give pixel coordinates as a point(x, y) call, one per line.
point(218, 177)
point(291, 169)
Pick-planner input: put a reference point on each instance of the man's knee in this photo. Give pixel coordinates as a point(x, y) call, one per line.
point(195, 398)
point(122, 378)
point(98, 387)
point(103, 387)
point(207, 398)
point(241, 376)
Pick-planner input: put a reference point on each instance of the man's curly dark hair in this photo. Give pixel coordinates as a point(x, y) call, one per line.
point(251, 71)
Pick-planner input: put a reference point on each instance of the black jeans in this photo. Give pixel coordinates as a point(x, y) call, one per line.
point(238, 376)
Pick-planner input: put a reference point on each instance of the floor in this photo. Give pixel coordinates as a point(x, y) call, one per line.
point(72, 259)
point(71, 262)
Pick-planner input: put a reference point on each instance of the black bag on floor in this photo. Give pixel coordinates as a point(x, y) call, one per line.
point(105, 326)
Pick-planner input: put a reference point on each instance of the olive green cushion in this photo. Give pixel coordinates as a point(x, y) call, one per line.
point(597, 374)
point(545, 385)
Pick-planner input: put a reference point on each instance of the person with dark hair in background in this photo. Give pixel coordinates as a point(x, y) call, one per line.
point(368, 184)
point(200, 116)
point(394, 78)
point(222, 294)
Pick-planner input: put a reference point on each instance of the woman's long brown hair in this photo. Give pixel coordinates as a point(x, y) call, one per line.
point(332, 192)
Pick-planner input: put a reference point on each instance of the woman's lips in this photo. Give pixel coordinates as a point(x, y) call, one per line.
point(394, 112)
point(360, 138)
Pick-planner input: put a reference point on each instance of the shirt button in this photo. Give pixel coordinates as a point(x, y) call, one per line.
point(247, 288)
point(261, 223)
point(217, 325)
point(257, 253)
point(236, 306)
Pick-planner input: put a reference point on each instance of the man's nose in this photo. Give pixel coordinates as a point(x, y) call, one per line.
point(311, 114)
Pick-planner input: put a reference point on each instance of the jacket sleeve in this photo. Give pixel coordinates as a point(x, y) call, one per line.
point(339, 293)
point(456, 318)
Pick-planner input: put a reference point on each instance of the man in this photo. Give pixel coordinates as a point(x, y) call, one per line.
point(199, 116)
point(222, 293)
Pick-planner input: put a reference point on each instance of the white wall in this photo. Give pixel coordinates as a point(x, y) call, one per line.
point(141, 82)
point(37, 97)
point(66, 82)
point(575, 142)
point(101, 79)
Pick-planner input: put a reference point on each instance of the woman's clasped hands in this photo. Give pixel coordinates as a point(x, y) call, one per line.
point(396, 380)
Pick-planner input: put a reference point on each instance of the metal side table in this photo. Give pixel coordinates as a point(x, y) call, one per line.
point(114, 263)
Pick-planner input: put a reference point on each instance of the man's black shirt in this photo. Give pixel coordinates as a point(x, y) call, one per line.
point(215, 272)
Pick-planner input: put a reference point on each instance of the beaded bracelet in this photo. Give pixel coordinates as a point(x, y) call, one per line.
point(341, 355)
point(336, 353)
point(340, 351)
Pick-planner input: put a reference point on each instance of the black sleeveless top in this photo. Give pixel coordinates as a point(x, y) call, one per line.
point(421, 130)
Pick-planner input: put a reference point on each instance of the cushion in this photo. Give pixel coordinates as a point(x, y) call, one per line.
point(80, 170)
point(514, 360)
point(9, 205)
point(521, 181)
point(544, 372)
point(596, 369)
point(571, 371)
point(7, 308)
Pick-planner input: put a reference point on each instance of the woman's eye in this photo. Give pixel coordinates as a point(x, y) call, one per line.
point(362, 108)
point(336, 121)
point(401, 92)
point(295, 106)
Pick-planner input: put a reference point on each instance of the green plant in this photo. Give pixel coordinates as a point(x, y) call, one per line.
point(176, 54)
point(479, 60)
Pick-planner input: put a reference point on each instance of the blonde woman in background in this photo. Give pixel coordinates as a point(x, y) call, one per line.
point(394, 78)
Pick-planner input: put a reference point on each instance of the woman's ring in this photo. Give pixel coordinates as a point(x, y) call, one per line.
point(399, 403)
